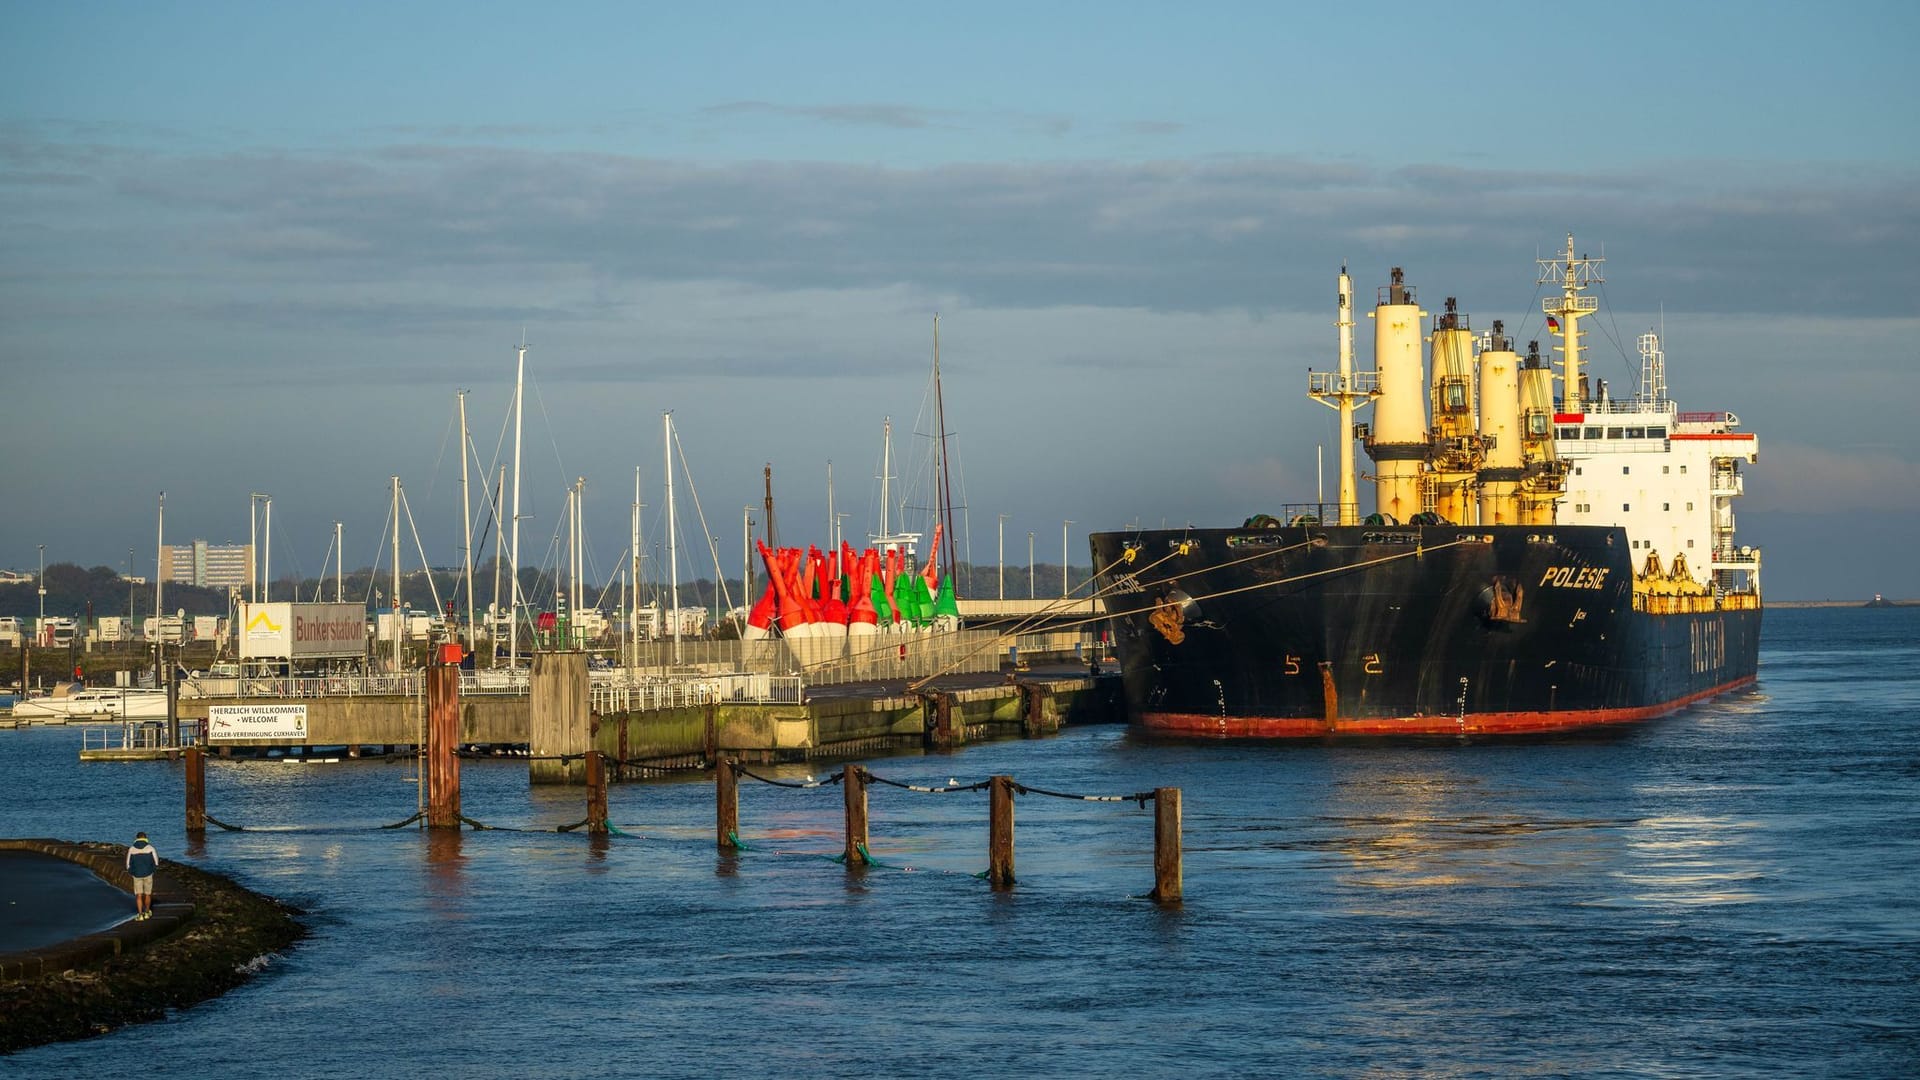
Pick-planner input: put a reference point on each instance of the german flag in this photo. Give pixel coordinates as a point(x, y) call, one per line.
point(1553, 324)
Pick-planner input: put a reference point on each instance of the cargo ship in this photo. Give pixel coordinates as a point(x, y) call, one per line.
point(1542, 555)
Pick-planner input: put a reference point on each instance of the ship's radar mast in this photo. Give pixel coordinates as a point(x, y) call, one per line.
point(1572, 274)
point(1653, 373)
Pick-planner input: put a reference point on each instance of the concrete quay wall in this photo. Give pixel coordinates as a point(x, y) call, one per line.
point(382, 721)
point(840, 726)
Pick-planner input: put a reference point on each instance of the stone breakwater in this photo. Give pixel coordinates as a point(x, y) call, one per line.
point(206, 936)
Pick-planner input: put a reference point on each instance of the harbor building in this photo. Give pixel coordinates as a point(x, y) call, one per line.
point(210, 565)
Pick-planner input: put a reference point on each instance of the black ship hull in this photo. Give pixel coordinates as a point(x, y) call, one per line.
point(1311, 631)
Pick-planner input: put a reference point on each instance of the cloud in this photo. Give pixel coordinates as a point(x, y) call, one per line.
point(1261, 233)
point(898, 117)
point(1799, 478)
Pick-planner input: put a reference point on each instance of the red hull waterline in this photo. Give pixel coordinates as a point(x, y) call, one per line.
point(1198, 725)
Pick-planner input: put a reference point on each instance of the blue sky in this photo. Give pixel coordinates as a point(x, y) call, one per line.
point(258, 247)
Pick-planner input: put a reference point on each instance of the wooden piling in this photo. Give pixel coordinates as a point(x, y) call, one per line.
point(940, 733)
point(196, 790)
point(726, 797)
point(1166, 845)
point(596, 793)
point(1000, 832)
point(855, 784)
point(1033, 710)
point(443, 746)
point(559, 728)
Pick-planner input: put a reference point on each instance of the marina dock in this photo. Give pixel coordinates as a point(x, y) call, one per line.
point(662, 730)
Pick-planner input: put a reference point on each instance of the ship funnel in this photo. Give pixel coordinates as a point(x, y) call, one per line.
point(1501, 470)
point(1457, 446)
point(1543, 478)
point(1397, 442)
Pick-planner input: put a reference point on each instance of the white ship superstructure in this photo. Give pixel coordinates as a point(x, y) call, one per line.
point(1667, 477)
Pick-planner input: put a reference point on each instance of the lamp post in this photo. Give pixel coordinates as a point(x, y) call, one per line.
point(1031, 594)
point(1003, 556)
point(1063, 557)
point(41, 584)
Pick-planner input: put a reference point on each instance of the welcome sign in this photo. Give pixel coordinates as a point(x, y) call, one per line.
point(249, 723)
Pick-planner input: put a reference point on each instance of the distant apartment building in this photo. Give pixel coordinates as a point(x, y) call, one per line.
point(212, 565)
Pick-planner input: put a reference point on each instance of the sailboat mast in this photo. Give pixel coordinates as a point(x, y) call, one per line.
point(466, 513)
point(633, 613)
point(943, 474)
point(339, 566)
point(513, 586)
point(395, 605)
point(673, 551)
point(767, 482)
point(499, 539)
point(886, 476)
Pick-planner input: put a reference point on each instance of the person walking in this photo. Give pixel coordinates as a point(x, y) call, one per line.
point(142, 862)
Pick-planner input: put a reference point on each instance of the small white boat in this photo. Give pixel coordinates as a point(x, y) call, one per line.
point(95, 705)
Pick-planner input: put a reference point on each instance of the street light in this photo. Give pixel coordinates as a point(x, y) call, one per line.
point(1030, 591)
point(1003, 555)
point(1063, 557)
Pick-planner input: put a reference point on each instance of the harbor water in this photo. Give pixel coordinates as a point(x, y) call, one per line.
point(1728, 891)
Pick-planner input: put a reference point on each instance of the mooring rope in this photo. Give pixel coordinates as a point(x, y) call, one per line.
point(981, 786)
point(1141, 797)
point(809, 783)
point(222, 824)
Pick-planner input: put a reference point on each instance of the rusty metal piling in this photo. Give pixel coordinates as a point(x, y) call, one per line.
point(1000, 832)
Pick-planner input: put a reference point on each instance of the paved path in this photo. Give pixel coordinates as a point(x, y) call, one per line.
point(45, 900)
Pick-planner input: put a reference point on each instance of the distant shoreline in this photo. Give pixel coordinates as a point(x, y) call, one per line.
point(1835, 603)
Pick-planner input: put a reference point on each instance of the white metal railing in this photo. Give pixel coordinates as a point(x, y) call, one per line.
point(139, 735)
point(656, 694)
point(1327, 383)
point(698, 672)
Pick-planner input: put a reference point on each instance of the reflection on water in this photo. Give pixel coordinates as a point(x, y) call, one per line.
point(444, 865)
point(1728, 891)
point(1690, 860)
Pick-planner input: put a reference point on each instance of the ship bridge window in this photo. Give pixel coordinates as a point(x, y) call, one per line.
point(1656, 433)
point(1625, 469)
point(1569, 432)
point(1616, 433)
point(1593, 433)
point(1665, 469)
point(1625, 507)
point(1636, 433)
